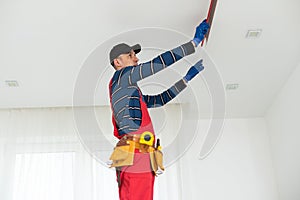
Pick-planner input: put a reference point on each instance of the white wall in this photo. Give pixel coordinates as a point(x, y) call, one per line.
point(240, 167)
point(283, 124)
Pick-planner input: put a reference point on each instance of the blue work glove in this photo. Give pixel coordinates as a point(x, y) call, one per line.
point(201, 30)
point(193, 71)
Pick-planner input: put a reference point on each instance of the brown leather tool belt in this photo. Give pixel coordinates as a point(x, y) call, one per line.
point(125, 149)
point(136, 139)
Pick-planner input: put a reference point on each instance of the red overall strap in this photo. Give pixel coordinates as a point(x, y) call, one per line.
point(116, 132)
point(146, 124)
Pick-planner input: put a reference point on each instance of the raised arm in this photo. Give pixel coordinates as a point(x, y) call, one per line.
point(159, 63)
point(154, 101)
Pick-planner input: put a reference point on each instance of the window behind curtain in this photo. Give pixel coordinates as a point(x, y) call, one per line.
point(44, 176)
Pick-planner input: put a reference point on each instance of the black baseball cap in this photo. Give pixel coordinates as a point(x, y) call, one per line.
point(122, 48)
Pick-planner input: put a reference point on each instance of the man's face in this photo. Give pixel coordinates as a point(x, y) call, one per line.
point(125, 60)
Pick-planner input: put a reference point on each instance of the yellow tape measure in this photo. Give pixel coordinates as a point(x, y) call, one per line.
point(147, 138)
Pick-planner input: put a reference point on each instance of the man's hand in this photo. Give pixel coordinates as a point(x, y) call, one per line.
point(193, 71)
point(201, 30)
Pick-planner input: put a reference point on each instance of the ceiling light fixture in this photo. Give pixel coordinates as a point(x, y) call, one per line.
point(12, 83)
point(253, 33)
point(232, 86)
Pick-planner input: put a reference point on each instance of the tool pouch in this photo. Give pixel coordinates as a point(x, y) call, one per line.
point(123, 155)
point(159, 159)
point(156, 158)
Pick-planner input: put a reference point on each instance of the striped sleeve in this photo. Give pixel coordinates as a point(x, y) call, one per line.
point(154, 101)
point(159, 63)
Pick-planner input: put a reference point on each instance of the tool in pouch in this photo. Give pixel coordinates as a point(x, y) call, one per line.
point(156, 157)
point(123, 154)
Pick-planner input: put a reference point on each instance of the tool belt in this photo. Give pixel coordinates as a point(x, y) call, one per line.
point(123, 154)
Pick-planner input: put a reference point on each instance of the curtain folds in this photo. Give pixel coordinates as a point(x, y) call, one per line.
point(42, 157)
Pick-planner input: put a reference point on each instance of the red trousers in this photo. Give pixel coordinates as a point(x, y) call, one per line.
point(136, 186)
point(137, 181)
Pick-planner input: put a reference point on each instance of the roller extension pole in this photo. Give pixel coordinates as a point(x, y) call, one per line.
point(210, 16)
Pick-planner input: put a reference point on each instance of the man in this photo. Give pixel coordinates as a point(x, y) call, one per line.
point(135, 157)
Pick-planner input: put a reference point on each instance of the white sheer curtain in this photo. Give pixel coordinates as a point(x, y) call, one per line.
point(41, 157)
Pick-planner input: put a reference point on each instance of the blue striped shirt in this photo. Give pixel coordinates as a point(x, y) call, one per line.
point(125, 93)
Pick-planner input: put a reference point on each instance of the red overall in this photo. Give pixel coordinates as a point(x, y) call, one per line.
point(136, 181)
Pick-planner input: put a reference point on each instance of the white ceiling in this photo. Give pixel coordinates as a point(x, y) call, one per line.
point(46, 45)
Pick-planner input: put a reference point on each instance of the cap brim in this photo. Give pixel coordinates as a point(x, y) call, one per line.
point(136, 48)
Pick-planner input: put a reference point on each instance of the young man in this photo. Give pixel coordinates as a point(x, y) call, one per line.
point(135, 156)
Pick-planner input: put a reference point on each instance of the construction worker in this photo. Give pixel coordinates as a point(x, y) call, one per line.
point(135, 156)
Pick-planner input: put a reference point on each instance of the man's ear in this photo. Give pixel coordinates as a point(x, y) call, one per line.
point(116, 63)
